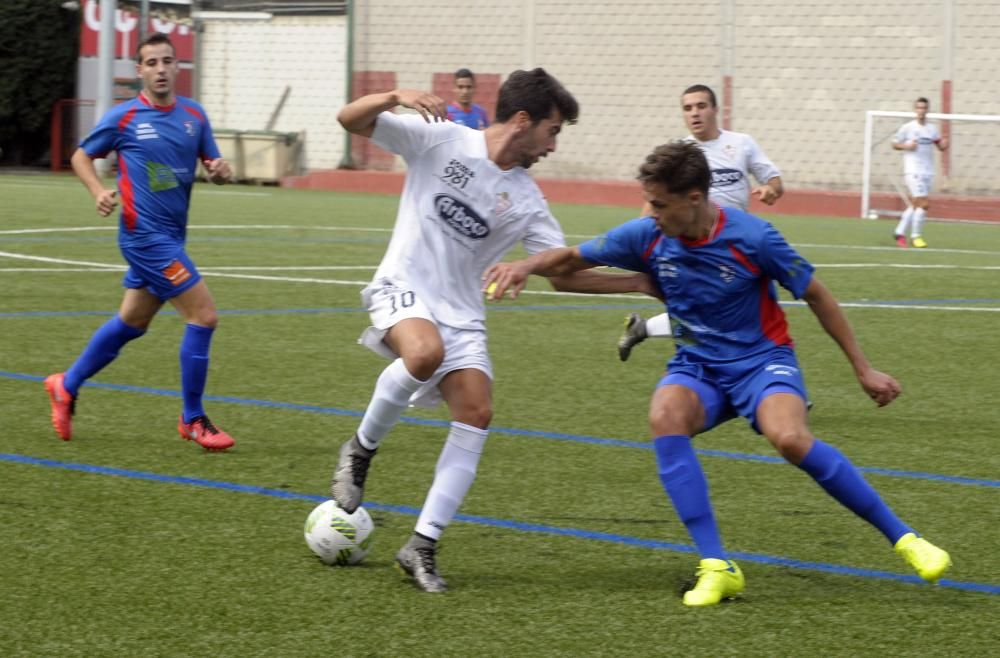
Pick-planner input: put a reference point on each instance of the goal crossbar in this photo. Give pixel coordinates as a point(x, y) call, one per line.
point(869, 124)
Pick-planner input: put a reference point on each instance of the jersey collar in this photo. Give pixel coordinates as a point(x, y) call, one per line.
point(148, 103)
point(719, 224)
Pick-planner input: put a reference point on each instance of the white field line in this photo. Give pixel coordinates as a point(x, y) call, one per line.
point(105, 267)
point(113, 226)
point(75, 183)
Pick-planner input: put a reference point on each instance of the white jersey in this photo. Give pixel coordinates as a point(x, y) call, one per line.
point(921, 161)
point(732, 157)
point(458, 214)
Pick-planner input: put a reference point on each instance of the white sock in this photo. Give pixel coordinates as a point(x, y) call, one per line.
point(904, 222)
point(919, 215)
point(456, 469)
point(392, 395)
point(658, 325)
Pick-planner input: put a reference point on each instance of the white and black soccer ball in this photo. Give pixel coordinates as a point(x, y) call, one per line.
point(337, 537)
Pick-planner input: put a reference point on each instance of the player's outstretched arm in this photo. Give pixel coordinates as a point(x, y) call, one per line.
point(879, 386)
point(359, 116)
point(512, 276)
point(83, 167)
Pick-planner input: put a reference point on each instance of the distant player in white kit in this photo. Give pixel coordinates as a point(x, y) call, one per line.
point(733, 158)
point(916, 139)
point(467, 200)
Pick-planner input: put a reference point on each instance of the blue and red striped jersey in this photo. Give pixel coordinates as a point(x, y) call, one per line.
point(158, 151)
point(720, 291)
point(475, 118)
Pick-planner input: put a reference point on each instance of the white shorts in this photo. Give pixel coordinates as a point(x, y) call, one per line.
point(389, 302)
point(919, 185)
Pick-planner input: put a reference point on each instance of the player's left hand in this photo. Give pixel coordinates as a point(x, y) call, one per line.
point(766, 194)
point(880, 387)
point(219, 171)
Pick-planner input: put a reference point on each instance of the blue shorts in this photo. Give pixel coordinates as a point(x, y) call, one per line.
point(736, 389)
point(163, 269)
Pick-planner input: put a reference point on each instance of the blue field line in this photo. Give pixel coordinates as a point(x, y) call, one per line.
point(513, 431)
point(539, 528)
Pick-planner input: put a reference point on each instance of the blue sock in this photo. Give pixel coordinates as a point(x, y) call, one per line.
point(194, 368)
point(102, 349)
point(687, 487)
point(835, 473)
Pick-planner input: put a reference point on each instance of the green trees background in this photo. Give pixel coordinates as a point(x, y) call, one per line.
point(39, 45)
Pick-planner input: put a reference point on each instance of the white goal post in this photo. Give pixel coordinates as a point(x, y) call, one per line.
point(891, 175)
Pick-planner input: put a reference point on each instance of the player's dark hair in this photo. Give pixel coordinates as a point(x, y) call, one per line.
point(464, 73)
point(537, 93)
point(679, 166)
point(923, 100)
point(694, 89)
point(153, 39)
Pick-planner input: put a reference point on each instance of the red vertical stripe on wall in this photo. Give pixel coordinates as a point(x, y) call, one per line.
point(363, 152)
point(727, 102)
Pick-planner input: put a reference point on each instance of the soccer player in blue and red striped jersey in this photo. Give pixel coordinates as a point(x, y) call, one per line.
point(463, 111)
point(159, 138)
point(716, 269)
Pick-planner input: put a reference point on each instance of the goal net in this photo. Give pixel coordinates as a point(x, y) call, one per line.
point(966, 169)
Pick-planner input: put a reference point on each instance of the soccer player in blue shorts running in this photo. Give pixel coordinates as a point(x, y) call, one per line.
point(159, 138)
point(716, 270)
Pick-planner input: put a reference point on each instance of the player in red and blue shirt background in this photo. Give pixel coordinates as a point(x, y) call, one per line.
point(463, 111)
point(717, 269)
point(159, 138)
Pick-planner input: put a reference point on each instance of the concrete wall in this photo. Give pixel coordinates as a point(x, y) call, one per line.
point(246, 65)
point(802, 73)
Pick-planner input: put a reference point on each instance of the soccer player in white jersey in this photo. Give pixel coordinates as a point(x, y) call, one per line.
point(467, 200)
point(916, 139)
point(733, 158)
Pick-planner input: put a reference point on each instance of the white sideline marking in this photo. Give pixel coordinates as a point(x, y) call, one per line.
point(368, 229)
point(106, 267)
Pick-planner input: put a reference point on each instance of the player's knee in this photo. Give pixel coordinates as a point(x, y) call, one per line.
point(424, 358)
point(475, 414)
point(208, 318)
point(669, 419)
point(792, 444)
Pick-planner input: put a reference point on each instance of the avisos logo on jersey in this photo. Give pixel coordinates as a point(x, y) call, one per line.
point(460, 217)
point(726, 177)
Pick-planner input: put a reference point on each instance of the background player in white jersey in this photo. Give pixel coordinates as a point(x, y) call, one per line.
point(733, 158)
point(467, 200)
point(916, 139)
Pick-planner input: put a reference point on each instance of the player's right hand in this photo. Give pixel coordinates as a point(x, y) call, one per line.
point(107, 201)
point(431, 107)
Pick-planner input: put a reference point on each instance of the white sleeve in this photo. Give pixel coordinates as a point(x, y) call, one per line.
point(759, 164)
point(407, 135)
point(900, 137)
point(543, 233)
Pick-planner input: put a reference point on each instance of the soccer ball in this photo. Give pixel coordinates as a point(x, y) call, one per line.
point(337, 537)
point(872, 214)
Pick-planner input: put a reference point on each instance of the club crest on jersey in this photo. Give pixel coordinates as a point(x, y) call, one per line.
point(189, 127)
point(460, 217)
point(726, 177)
point(727, 273)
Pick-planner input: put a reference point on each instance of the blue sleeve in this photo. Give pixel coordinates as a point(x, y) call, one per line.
point(782, 263)
point(626, 246)
point(208, 149)
point(104, 137)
